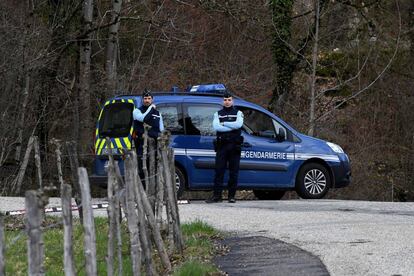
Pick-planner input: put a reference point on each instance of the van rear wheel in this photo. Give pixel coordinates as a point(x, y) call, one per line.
point(179, 182)
point(313, 181)
point(268, 194)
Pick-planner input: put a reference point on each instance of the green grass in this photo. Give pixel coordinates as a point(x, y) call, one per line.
point(199, 249)
point(196, 260)
point(16, 250)
point(193, 267)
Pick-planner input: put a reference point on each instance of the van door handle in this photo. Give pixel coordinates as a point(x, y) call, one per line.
point(246, 145)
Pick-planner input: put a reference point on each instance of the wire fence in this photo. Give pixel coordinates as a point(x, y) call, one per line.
point(145, 211)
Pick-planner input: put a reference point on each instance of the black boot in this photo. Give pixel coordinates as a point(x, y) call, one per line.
point(214, 199)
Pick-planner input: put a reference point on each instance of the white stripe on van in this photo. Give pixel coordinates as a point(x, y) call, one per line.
point(326, 157)
point(179, 151)
point(200, 152)
point(225, 116)
point(289, 156)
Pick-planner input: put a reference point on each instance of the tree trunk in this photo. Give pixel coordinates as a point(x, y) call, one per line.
point(411, 26)
point(85, 123)
point(38, 162)
point(26, 73)
point(2, 247)
point(19, 179)
point(112, 47)
point(311, 131)
point(283, 56)
point(22, 117)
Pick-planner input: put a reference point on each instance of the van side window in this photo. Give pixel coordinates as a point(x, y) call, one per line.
point(257, 123)
point(279, 126)
point(171, 117)
point(199, 119)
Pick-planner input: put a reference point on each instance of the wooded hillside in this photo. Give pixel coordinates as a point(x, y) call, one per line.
point(340, 70)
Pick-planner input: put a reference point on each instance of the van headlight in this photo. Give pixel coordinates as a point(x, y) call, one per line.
point(335, 147)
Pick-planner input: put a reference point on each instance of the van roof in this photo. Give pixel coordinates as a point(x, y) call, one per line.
point(182, 97)
point(171, 93)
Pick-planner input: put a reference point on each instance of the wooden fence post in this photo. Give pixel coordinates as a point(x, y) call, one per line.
point(66, 197)
point(2, 247)
point(132, 216)
point(121, 185)
point(170, 222)
point(171, 201)
point(118, 234)
point(19, 180)
point(159, 202)
point(113, 213)
point(145, 241)
point(154, 226)
point(74, 165)
point(59, 160)
point(151, 189)
point(37, 162)
point(66, 201)
point(145, 156)
point(88, 223)
point(35, 246)
point(178, 236)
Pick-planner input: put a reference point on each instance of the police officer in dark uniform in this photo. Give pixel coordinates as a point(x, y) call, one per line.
point(227, 123)
point(148, 114)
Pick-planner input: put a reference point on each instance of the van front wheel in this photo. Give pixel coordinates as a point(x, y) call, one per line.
point(313, 181)
point(179, 182)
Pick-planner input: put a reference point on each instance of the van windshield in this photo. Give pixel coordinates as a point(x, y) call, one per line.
point(116, 120)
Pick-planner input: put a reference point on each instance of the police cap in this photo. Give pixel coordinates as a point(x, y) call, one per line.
point(227, 94)
point(147, 93)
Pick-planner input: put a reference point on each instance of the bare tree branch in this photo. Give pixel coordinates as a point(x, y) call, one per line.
point(356, 94)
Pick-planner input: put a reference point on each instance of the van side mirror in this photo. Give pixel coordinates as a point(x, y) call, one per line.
point(281, 135)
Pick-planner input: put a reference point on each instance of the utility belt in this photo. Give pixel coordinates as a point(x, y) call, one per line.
point(223, 140)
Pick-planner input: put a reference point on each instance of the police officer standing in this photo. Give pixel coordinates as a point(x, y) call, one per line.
point(227, 123)
point(148, 114)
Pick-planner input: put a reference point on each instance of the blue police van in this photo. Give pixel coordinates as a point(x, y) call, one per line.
point(275, 157)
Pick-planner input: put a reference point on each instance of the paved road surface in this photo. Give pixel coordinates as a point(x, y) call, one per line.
point(350, 237)
point(262, 256)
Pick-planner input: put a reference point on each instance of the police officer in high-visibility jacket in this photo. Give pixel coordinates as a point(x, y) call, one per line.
point(227, 123)
point(148, 114)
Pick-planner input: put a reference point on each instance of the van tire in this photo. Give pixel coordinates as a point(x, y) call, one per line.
point(269, 194)
point(313, 181)
point(180, 182)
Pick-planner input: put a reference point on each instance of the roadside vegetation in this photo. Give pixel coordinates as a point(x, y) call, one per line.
point(197, 258)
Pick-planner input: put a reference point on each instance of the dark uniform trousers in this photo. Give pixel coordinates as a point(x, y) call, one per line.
point(228, 153)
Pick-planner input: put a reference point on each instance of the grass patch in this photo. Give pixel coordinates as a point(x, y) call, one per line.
point(193, 267)
point(199, 227)
point(198, 251)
